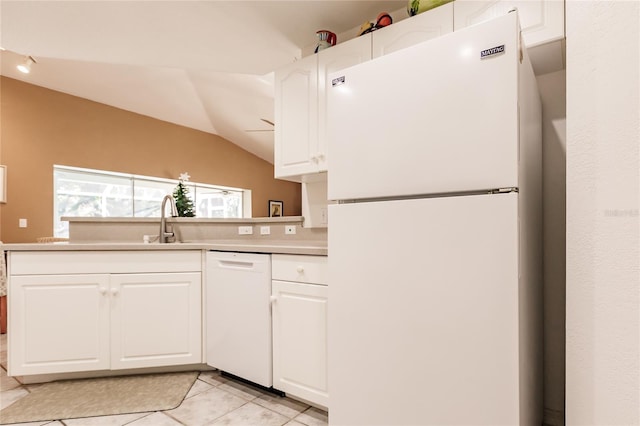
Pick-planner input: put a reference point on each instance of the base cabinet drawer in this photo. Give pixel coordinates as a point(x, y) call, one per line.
point(300, 269)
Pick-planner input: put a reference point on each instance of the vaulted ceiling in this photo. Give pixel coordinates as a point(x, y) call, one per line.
point(207, 65)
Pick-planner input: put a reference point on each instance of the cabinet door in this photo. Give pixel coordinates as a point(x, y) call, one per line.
point(155, 320)
point(300, 340)
point(331, 60)
point(419, 28)
point(58, 324)
point(542, 21)
point(296, 115)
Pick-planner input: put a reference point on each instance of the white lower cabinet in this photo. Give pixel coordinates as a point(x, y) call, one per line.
point(299, 314)
point(78, 321)
point(155, 320)
point(58, 324)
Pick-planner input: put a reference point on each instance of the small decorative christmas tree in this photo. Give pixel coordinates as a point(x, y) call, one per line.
point(181, 195)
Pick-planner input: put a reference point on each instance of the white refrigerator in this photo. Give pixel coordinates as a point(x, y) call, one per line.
point(435, 302)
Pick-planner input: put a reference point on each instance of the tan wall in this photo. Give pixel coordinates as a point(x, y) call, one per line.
point(41, 127)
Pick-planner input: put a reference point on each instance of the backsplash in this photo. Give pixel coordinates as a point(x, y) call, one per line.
point(85, 230)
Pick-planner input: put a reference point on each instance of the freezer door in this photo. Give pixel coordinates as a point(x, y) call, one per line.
point(432, 118)
point(423, 312)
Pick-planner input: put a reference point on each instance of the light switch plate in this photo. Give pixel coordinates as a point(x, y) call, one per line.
point(22, 223)
point(245, 230)
point(265, 230)
point(323, 215)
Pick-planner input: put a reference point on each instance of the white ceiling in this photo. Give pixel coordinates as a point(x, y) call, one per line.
point(202, 64)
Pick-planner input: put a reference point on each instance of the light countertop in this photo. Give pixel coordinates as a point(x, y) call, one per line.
point(278, 247)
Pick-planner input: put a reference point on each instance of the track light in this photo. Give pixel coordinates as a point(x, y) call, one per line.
point(25, 66)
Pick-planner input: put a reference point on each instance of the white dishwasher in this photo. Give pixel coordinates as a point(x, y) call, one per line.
point(238, 315)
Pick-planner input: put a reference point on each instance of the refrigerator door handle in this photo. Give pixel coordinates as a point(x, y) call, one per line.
point(504, 190)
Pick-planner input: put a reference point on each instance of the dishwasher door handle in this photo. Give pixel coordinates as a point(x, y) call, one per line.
point(236, 264)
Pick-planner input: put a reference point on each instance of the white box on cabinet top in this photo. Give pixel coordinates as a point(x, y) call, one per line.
point(85, 311)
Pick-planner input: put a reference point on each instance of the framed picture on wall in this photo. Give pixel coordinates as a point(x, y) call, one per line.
point(276, 208)
point(3, 184)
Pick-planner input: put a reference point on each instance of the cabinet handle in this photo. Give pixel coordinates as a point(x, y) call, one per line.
point(314, 158)
point(103, 290)
point(300, 269)
point(320, 156)
point(114, 291)
point(273, 299)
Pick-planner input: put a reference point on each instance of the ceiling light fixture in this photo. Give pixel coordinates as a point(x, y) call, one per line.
point(25, 66)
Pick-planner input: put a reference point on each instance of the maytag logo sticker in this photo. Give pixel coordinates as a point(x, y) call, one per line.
point(337, 81)
point(491, 52)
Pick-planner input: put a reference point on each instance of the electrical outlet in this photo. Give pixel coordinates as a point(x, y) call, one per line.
point(290, 229)
point(22, 223)
point(265, 230)
point(323, 215)
point(245, 230)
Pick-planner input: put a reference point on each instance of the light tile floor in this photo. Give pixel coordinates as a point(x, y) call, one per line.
point(212, 400)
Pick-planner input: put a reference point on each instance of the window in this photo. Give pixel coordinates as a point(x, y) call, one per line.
point(97, 193)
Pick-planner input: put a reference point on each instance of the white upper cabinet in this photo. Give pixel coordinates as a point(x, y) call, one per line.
point(300, 108)
point(542, 21)
point(339, 57)
point(296, 115)
point(300, 90)
point(419, 28)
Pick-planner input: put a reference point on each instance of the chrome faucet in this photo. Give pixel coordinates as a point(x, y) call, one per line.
point(164, 233)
